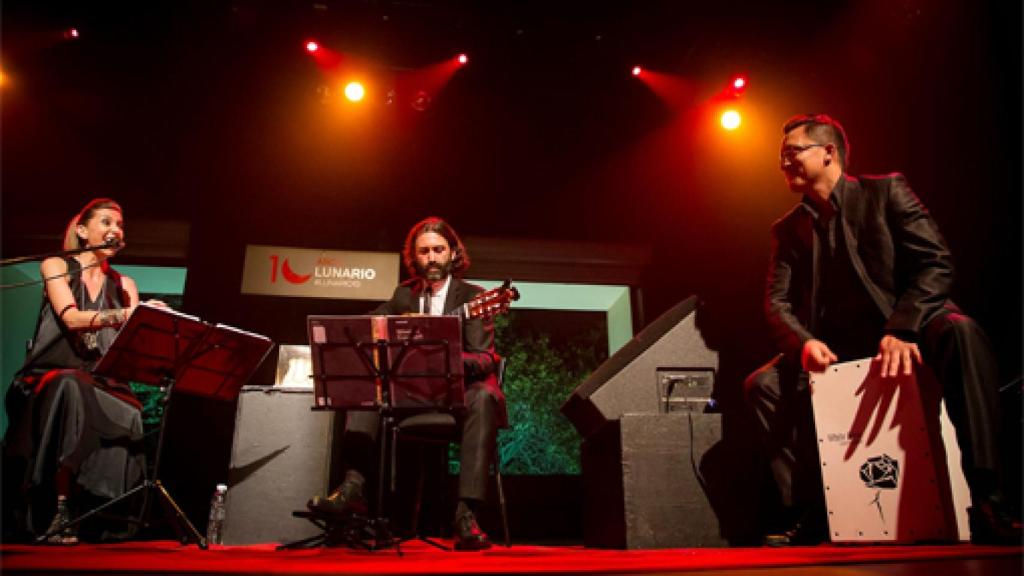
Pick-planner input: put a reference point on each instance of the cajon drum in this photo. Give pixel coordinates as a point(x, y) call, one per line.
point(886, 477)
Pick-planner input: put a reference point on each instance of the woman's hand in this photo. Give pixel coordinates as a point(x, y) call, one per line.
point(151, 302)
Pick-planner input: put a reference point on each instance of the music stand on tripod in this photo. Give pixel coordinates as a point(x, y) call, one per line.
point(391, 365)
point(180, 353)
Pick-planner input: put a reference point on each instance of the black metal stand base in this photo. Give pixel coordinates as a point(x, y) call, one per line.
point(186, 531)
point(427, 540)
point(355, 531)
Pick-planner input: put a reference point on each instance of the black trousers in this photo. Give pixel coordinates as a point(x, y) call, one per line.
point(477, 447)
point(958, 353)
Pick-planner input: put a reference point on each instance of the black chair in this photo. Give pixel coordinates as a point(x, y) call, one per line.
point(439, 428)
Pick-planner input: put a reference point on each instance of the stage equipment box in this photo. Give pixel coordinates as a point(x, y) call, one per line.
point(646, 479)
point(280, 456)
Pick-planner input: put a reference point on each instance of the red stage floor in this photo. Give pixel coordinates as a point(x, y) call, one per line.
point(418, 558)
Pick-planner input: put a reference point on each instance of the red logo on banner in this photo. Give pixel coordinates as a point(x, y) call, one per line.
point(287, 272)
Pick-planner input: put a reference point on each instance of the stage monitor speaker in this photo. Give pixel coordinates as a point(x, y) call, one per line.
point(649, 481)
point(281, 455)
point(666, 366)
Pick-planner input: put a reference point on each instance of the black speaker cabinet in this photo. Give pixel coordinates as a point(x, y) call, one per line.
point(281, 455)
point(650, 480)
point(665, 365)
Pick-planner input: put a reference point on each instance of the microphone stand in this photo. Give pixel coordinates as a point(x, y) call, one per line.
point(71, 252)
point(111, 244)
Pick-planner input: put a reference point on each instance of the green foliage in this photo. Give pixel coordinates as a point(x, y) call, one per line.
point(152, 403)
point(542, 370)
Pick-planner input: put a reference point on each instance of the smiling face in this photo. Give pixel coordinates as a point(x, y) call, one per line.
point(433, 256)
point(102, 226)
point(803, 160)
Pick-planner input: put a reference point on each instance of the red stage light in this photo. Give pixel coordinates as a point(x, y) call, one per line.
point(462, 59)
point(312, 46)
point(637, 70)
point(738, 85)
point(71, 33)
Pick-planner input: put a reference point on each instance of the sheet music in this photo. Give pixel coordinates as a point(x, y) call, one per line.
point(171, 311)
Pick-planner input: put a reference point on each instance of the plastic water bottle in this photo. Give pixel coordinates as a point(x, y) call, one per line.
point(215, 527)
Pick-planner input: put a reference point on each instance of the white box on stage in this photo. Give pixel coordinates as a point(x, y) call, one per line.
point(886, 478)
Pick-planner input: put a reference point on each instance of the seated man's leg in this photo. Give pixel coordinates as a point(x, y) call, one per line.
point(778, 397)
point(479, 435)
point(358, 454)
point(959, 353)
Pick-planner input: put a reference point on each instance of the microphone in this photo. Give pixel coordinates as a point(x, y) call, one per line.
point(427, 293)
point(113, 243)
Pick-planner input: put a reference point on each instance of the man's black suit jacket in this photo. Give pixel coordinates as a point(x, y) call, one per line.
point(895, 248)
point(478, 355)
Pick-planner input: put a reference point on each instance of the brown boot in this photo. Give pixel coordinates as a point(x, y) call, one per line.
point(345, 500)
point(66, 536)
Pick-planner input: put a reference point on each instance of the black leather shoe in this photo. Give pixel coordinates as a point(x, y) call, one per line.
point(468, 535)
point(991, 524)
point(346, 500)
point(795, 536)
point(806, 531)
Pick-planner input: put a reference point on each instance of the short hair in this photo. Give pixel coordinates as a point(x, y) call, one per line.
point(460, 257)
point(71, 239)
point(823, 129)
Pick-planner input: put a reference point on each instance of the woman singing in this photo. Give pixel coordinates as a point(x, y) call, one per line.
point(75, 431)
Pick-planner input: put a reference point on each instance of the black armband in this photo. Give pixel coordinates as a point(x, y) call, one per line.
point(65, 309)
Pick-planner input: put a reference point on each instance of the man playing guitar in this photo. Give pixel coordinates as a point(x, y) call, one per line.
point(435, 259)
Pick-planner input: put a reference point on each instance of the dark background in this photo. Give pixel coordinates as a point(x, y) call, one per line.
point(209, 113)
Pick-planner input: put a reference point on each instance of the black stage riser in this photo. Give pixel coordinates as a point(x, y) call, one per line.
point(281, 456)
point(641, 489)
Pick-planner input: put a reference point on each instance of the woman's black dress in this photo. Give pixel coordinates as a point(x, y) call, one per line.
point(62, 415)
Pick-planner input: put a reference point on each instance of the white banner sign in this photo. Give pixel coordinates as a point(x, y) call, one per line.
point(281, 271)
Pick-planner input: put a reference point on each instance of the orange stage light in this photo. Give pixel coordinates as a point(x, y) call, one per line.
point(354, 91)
point(731, 120)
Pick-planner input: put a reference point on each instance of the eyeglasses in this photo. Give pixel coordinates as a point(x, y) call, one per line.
point(791, 152)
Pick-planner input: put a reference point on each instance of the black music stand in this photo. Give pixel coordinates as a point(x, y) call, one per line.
point(390, 364)
point(179, 353)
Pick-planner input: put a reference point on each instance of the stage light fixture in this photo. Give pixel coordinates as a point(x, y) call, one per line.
point(71, 33)
point(731, 120)
point(737, 85)
point(462, 59)
point(312, 46)
point(637, 71)
point(421, 101)
point(354, 91)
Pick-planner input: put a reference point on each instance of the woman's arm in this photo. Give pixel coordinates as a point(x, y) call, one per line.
point(58, 291)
